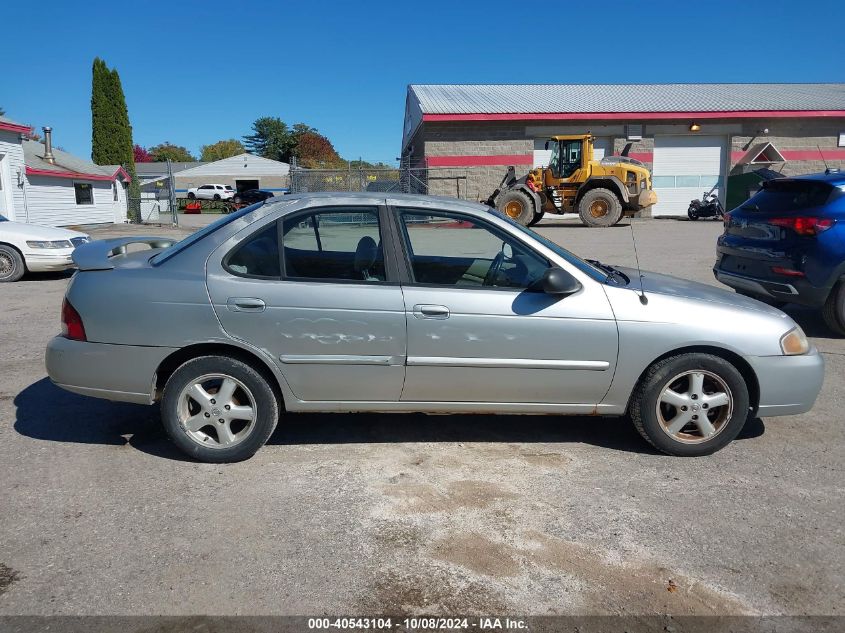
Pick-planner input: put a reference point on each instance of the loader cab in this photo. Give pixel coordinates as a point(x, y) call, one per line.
point(567, 156)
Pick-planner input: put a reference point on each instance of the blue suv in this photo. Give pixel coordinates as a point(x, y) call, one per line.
point(786, 244)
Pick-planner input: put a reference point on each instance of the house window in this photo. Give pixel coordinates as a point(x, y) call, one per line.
point(84, 193)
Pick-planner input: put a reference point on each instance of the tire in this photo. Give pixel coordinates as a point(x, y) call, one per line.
point(517, 206)
point(599, 208)
point(184, 414)
point(217, 196)
point(192, 195)
point(12, 266)
point(833, 311)
point(691, 214)
point(726, 420)
point(537, 217)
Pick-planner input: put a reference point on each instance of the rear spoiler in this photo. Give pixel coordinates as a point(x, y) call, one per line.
point(96, 255)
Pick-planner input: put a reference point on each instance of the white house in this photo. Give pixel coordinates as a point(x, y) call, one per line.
point(42, 185)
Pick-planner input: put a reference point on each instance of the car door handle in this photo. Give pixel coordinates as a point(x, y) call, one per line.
point(423, 311)
point(245, 304)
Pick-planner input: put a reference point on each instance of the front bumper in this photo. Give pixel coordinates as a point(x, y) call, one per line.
point(788, 384)
point(39, 262)
point(124, 373)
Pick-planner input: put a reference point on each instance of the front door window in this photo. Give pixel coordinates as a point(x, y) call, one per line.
point(453, 250)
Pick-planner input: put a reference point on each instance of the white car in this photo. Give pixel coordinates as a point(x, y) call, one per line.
point(211, 192)
point(35, 248)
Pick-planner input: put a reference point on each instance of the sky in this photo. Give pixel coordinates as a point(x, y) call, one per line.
point(198, 72)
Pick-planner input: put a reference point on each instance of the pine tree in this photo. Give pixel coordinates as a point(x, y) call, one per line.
point(111, 133)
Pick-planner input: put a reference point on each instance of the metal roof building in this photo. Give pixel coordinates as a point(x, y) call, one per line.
point(691, 135)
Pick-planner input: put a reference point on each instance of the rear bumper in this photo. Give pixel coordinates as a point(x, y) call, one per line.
point(792, 290)
point(123, 373)
point(789, 385)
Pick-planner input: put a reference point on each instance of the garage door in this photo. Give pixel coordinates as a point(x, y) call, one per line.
point(684, 167)
point(601, 148)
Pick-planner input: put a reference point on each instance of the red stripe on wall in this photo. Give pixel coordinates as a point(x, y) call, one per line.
point(645, 157)
point(801, 154)
point(554, 116)
point(478, 161)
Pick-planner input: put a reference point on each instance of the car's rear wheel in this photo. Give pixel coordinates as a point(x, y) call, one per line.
point(219, 409)
point(12, 267)
point(834, 309)
point(690, 405)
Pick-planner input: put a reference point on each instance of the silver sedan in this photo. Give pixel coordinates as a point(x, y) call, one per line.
point(356, 302)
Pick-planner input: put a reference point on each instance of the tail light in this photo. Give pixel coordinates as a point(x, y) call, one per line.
point(804, 225)
point(72, 326)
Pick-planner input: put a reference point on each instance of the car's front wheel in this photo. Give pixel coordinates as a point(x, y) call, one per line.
point(192, 195)
point(690, 405)
point(219, 409)
point(12, 267)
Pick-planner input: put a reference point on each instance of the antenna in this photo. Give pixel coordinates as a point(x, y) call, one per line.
point(643, 298)
point(821, 153)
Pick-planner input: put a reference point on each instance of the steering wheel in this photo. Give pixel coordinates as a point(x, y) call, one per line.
point(495, 268)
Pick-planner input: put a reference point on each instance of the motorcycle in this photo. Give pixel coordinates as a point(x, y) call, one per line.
point(708, 207)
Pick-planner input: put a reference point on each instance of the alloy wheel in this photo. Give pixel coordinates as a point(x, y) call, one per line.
point(694, 406)
point(216, 411)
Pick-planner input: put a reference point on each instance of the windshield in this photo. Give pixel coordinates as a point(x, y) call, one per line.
point(585, 267)
point(193, 238)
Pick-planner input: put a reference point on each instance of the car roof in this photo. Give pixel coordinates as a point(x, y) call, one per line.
point(831, 177)
point(365, 197)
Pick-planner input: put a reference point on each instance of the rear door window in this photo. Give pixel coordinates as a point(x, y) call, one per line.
point(336, 245)
point(779, 196)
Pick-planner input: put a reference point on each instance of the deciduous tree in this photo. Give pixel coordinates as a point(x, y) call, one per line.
point(176, 153)
point(316, 151)
point(141, 155)
point(221, 149)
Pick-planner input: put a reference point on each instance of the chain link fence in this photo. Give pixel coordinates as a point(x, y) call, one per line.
point(382, 180)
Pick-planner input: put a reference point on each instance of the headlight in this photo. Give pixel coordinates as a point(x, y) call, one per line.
point(794, 342)
point(53, 244)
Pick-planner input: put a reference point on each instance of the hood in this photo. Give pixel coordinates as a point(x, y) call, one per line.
point(37, 232)
point(677, 287)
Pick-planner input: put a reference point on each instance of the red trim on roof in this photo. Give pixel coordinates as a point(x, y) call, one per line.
point(555, 116)
point(66, 174)
point(14, 127)
point(122, 172)
point(478, 161)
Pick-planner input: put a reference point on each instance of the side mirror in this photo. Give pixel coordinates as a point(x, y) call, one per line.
point(556, 281)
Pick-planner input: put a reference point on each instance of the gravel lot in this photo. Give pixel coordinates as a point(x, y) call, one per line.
point(362, 514)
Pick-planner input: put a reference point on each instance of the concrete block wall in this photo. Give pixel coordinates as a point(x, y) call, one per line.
point(807, 135)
